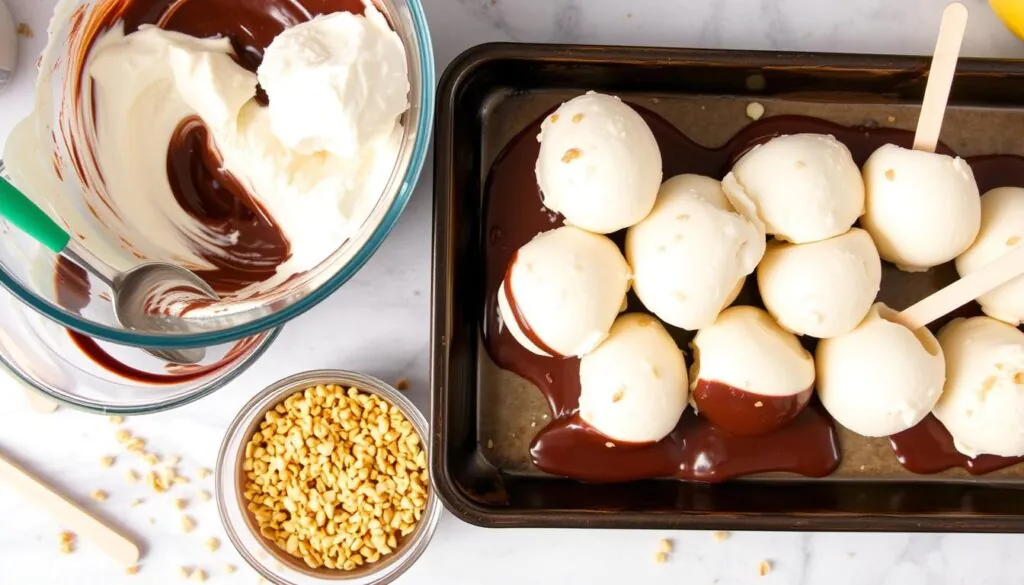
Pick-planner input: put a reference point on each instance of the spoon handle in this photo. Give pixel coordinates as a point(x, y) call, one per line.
point(29, 218)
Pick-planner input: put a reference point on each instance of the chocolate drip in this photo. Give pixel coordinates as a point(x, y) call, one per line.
point(696, 449)
point(928, 448)
point(216, 199)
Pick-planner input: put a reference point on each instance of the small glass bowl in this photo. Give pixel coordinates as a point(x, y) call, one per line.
point(265, 557)
point(106, 378)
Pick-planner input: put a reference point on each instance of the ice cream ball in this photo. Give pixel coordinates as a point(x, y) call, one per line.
point(803, 187)
point(690, 256)
point(923, 208)
point(599, 163)
point(822, 289)
point(749, 376)
point(982, 405)
point(562, 291)
point(1002, 230)
point(881, 378)
point(634, 385)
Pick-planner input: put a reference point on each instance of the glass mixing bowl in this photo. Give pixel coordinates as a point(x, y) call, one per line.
point(27, 269)
point(106, 378)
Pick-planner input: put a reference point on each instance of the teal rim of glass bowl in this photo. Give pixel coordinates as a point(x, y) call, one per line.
point(412, 174)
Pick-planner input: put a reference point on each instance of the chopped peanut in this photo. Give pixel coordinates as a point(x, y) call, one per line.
point(339, 488)
point(107, 462)
point(100, 495)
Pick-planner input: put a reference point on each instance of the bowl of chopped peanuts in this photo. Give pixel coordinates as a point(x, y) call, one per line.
point(323, 477)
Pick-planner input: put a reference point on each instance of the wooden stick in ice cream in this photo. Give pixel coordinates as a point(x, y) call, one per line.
point(940, 77)
point(963, 291)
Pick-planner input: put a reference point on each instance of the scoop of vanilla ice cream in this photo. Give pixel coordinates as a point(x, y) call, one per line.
point(881, 378)
point(803, 187)
point(634, 385)
point(746, 349)
point(337, 82)
point(822, 289)
point(563, 290)
point(691, 255)
point(983, 402)
point(922, 208)
point(599, 164)
point(1002, 230)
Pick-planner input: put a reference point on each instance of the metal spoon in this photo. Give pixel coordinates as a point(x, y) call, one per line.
point(131, 290)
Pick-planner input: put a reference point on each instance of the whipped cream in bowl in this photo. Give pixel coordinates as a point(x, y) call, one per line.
point(269, 147)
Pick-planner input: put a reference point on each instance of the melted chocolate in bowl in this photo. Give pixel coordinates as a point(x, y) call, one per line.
point(697, 449)
point(202, 188)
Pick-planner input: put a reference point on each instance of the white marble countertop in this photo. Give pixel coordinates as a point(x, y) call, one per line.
point(378, 323)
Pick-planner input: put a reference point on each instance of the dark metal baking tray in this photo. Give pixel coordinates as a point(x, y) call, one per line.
point(483, 418)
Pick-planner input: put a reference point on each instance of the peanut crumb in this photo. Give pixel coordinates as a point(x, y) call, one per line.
point(533, 424)
point(203, 473)
point(758, 404)
point(1018, 378)
point(890, 119)
point(229, 569)
point(660, 558)
point(577, 118)
point(151, 459)
point(1013, 241)
point(890, 174)
point(402, 384)
point(180, 479)
point(764, 568)
point(132, 570)
point(755, 110)
point(137, 502)
point(184, 572)
point(610, 445)
point(172, 460)
point(67, 542)
point(490, 444)
point(136, 445)
point(617, 396)
point(156, 483)
point(199, 576)
point(24, 30)
point(115, 420)
point(131, 476)
point(554, 118)
point(571, 155)
point(123, 436)
point(107, 462)
point(99, 495)
point(665, 546)
point(212, 544)
point(720, 536)
point(204, 496)
point(187, 524)
point(180, 504)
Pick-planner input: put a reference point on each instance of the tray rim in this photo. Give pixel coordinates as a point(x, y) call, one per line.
point(473, 513)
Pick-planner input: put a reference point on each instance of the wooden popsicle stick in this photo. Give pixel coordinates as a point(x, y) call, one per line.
point(940, 77)
point(963, 291)
point(78, 520)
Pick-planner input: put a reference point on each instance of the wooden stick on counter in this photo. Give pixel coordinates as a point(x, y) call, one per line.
point(70, 514)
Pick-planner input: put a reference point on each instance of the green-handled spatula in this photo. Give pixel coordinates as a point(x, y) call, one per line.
point(130, 290)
